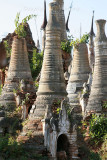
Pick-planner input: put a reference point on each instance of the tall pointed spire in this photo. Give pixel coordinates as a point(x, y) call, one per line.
point(67, 29)
point(45, 17)
point(91, 46)
point(92, 30)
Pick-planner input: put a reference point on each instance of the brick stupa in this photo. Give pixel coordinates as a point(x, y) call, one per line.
point(52, 84)
point(19, 69)
point(79, 72)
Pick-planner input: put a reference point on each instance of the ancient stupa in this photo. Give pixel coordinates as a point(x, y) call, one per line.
point(19, 69)
point(52, 84)
point(80, 71)
point(62, 19)
point(99, 84)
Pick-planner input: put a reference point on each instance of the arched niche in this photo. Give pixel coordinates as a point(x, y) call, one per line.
point(62, 147)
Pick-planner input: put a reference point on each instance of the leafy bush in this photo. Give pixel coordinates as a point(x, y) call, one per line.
point(65, 45)
point(9, 147)
point(98, 128)
point(7, 48)
point(36, 63)
point(105, 104)
point(20, 31)
point(86, 154)
point(84, 39)
point(36, 85)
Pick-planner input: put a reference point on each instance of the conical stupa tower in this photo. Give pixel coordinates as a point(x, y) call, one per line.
point(19, 69)
point(80, 71)
point(62, 19)
point(52, 84)
point(99, 84)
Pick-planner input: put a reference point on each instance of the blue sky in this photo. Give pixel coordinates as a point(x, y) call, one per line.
point(81, 13)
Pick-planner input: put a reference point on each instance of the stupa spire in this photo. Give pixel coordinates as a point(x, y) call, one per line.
point(45, 17)
point(67, 28)
point(91, 33)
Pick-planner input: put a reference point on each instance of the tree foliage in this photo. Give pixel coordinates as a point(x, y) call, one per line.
point(20, 31)
point(36, 63)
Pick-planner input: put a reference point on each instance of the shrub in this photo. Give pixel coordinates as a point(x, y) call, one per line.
point(65, 45)
point(7, 48)
point(97, 128)
point(9, 147)
point(84, 39)
point(36, 63)
point(20, 31)
point(105, 104)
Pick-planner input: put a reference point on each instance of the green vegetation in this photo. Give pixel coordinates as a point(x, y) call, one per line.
point(84, 39)
point(94, 132)
point(86, 154)
point(36, 85)
point(9, 148)
point(8, 49)
point(97, 128)
point(65, 45)
point(105, 104)
point(36, 63)
point(20, 31)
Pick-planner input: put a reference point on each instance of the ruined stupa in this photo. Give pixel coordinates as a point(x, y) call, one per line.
point(80, 71)
point(52, 84)
point(99, 84)
point(62, 19)
point(19, 69)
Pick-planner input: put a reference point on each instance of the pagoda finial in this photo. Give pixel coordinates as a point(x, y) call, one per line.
point(45, 17)
point(92, 30)
point(67, 29)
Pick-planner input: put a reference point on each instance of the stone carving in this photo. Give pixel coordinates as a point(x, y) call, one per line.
point(84, 97)
point(56, 125)
point(52, 84)
point(99, 83)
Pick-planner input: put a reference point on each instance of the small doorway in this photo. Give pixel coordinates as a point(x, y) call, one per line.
point(62, 147)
